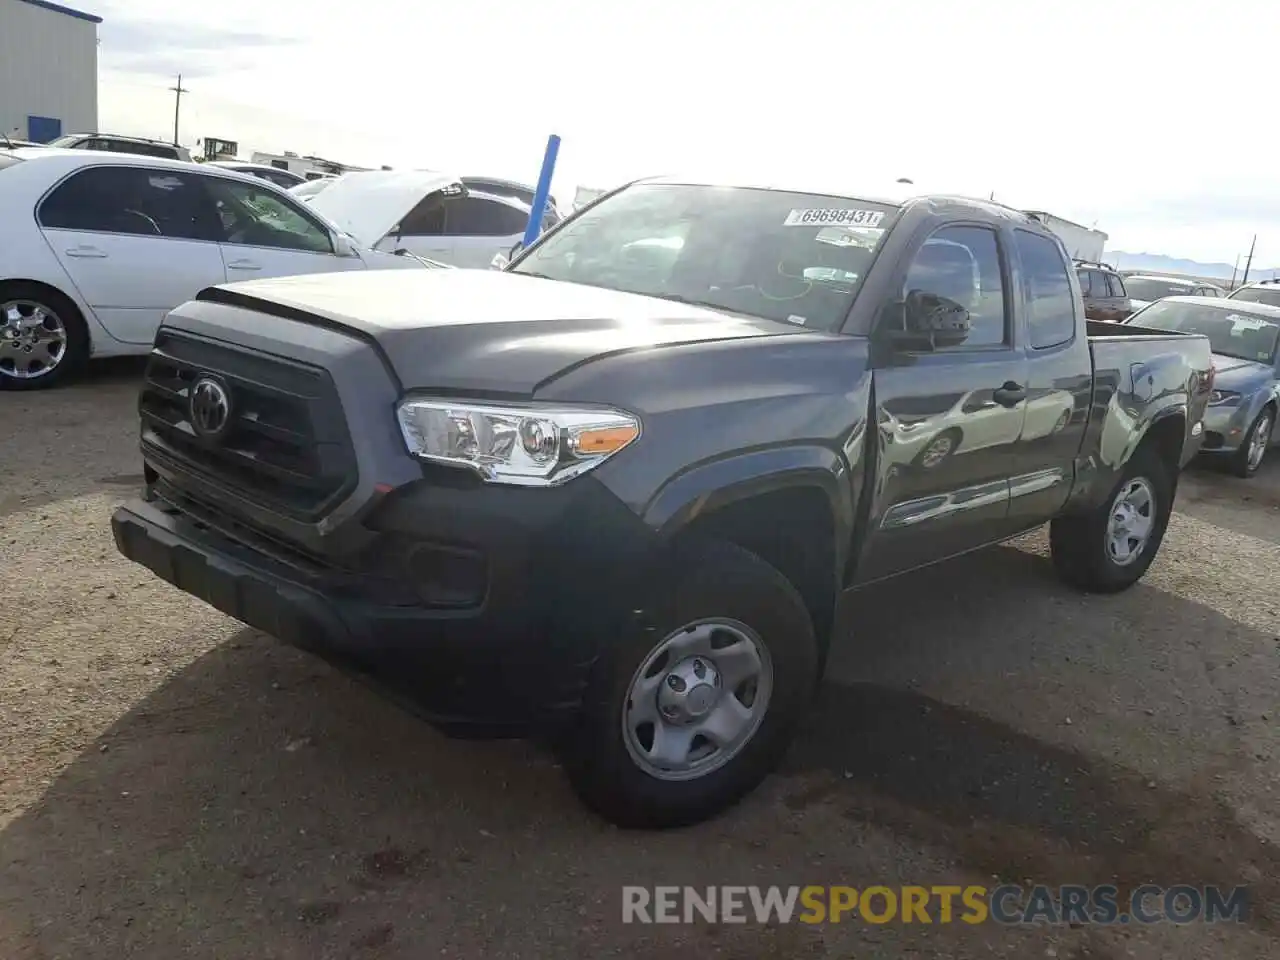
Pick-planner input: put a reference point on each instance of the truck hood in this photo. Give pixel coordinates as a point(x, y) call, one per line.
point(489, 332)
point(368, 204)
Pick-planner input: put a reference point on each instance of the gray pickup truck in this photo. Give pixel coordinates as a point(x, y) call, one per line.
point(613, 493)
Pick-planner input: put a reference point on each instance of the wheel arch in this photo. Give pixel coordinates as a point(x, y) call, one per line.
point(92, 327)
point(793, 507)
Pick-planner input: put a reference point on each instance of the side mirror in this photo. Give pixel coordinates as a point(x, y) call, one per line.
point(926, 321)
point(344, 246)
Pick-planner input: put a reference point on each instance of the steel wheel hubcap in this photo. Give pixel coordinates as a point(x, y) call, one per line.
point(1132, 518)
point(33, 340)
point(697, 699)
point(1258, 442)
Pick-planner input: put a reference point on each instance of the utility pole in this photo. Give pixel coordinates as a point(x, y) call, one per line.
point(1249, 261)
point(178, 91)
point(1234, 268)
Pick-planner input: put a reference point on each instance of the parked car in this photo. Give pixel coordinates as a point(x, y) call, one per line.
point(111, 143)
point(95, 248)
point(511, 188)
point(1103, 290)
point(8, 143)
point(284, 179)
point(1145, 288)
point(1260, 291)
point(309, 188)
point(1240, 423)
point(426, 213)
point(616, 498)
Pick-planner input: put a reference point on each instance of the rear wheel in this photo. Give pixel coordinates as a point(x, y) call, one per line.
point(1253, 449)
point(686, 717)
point(43, 338)
point(1110, 548)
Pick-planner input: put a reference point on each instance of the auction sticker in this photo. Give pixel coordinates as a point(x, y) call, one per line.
point(833, 217)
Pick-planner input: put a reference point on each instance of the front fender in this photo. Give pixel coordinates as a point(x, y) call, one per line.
point(717, 483)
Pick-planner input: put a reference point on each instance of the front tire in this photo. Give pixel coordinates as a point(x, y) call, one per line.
point(1253, 449)
point(689, 714)
point(44, 341)
point(1110, 548)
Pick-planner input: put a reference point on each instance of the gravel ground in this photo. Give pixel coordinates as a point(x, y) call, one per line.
point(175, 785)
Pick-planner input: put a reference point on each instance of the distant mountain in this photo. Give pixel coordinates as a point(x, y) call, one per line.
point(1159, 263)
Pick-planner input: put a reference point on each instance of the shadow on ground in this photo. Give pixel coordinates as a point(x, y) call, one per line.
point(259, 805)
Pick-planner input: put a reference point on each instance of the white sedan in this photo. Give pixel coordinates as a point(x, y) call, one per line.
point(95, 249)
point(461, 221)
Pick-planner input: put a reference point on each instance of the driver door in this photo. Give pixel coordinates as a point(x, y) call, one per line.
point(135, 241)
point(267, 234)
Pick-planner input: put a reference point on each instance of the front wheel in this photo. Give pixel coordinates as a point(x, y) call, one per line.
point(1109, 549)
point(1253, 449)
point(688, 715)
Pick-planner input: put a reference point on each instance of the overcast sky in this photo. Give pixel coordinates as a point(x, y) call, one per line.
point(1100, 112)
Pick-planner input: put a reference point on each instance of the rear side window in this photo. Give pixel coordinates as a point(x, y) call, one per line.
point(477, 217)
point(1086, 285)
point(1051, 311)
point(131, 200)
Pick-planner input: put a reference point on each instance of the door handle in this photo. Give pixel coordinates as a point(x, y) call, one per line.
point(86, 253)
point(243, 265)
point(1009, 395)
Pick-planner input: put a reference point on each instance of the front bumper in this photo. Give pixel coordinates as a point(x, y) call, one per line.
point(1224, 429)
point(509, 646)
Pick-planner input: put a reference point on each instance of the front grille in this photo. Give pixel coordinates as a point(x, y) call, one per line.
point(287, 447)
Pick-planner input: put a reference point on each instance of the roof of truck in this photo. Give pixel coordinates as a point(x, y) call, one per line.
point(891, 194)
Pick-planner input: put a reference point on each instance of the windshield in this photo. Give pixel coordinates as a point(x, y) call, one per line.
point(1245, 336)
point(793, 257)
point(1149, 288)
point(66, 141)
point(1267, 295)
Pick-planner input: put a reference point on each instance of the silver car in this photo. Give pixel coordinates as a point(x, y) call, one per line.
point(1240, 422)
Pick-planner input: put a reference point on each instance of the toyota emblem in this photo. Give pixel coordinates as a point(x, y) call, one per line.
point(210, 408)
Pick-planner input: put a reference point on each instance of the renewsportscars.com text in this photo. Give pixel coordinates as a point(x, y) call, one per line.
point(1007, 904)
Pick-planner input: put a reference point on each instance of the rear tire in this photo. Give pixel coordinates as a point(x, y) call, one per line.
point(721, 590)
point(1248, 459)
point(1089, 551)
point(18, 300)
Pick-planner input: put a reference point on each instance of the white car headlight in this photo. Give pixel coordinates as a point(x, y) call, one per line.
point(528, 446)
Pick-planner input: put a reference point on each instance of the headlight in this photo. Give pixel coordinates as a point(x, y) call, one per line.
point(525, 445)
point(1223, 398)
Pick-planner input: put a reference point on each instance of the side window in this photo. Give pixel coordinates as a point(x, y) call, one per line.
point(1083, 277)
point(1051, 313)
point(259, 217)
point(963, 264)
point(477, 217)
point(1116, 285)
point(131, 200)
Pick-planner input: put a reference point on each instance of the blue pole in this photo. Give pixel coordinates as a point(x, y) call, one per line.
point(544, 189)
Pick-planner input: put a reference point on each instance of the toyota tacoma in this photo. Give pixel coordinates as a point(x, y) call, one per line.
point(613, 492)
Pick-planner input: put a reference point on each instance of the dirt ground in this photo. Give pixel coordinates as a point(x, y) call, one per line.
point(175, 785)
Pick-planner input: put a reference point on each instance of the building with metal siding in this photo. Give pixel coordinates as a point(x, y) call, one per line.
point(48, 70)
